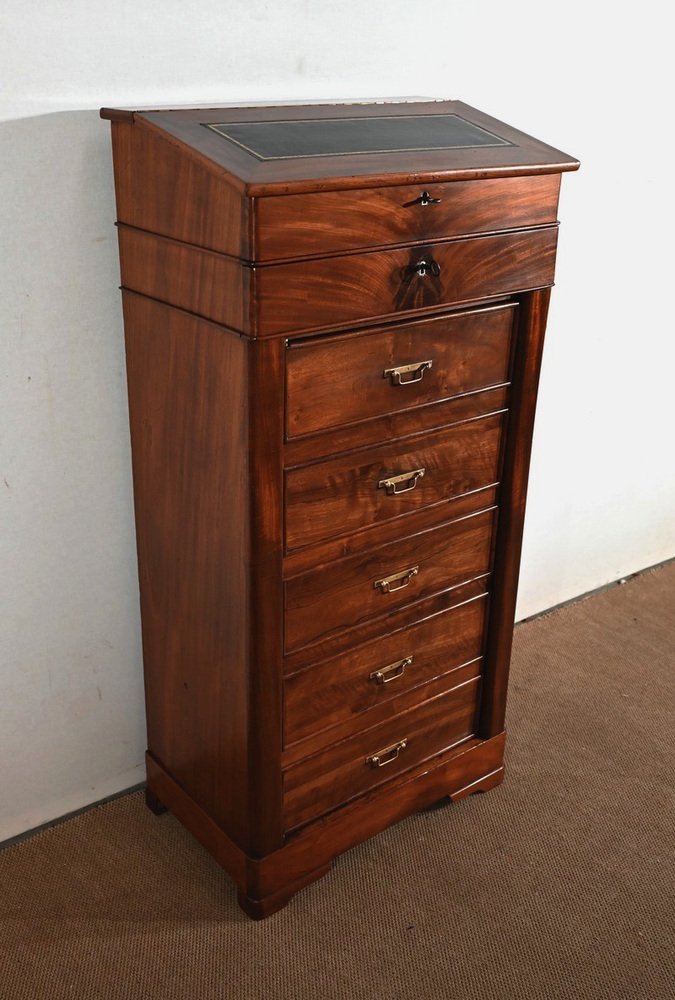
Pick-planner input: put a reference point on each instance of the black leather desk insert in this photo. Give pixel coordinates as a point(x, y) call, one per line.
point(284, 140)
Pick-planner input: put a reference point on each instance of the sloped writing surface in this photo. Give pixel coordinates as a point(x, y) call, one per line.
point(287, 140)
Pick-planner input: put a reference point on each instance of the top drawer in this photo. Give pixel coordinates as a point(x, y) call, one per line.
point(334, 381)
point(302, 225)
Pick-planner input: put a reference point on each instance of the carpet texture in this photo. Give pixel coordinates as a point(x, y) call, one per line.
point(559, 884)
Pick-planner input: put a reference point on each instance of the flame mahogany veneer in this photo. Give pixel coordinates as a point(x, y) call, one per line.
point(334, 318)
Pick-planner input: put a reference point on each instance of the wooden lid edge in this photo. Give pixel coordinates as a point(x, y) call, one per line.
point(260, 188)
point(117, 115)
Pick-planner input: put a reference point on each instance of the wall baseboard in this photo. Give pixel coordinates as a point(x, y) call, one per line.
point(27, 834)
point(593, 593)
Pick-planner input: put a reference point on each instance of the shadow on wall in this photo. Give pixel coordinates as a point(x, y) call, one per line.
point(69, 631)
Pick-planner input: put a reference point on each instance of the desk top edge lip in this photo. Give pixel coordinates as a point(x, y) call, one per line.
point(354, 170)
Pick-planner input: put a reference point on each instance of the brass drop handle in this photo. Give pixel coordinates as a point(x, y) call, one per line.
point(385, 675)
point(392, 482)
point(424, 267)
point(401, 579)
point(415, 373)
point(386, 756)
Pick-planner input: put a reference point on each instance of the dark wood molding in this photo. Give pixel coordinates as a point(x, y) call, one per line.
point(512, 499)
point(266, 619)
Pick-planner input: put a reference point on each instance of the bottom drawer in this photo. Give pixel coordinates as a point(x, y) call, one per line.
point(332, 777)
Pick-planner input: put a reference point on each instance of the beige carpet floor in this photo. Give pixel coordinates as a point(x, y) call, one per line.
point(558, 884)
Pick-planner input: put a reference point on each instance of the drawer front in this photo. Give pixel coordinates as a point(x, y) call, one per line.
point(350, 686)
point(330, 221)
point(356, 765)
point(342, 595)
point(337, 291)
point(350, 492)
point(335, 381)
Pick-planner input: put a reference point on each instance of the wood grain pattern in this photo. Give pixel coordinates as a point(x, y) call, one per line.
point(315, 294)
point(198, 818)
point(526, 155)
point(340, 643)
point(192, 533)
point(341, 689)
point(404, 424)
point(326, 552)
point(314, 224)
point(263, 301)
point(324, 738)
point(341, 596)
point(261, 465)
point(334, 776)
point(154, 195)
point(202, 282)
point(527, 366)
point(332, 292)
point(455, 773)
point(342, 495)
point(448, 773)
point(328, 386)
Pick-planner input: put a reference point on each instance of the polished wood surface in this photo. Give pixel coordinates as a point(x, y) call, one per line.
point(186, 437)
point(303, 225)
point(269, 882)
point(385, 710)
point(260, 464)
point(327, 630)
point(530, 346)
point(399, 425)
point(334, 291)
point(344, 494)
point(340, 689)
point(209, 601)
point(525, 156)
point(165, 181)
point(400, 617)
point(328, 386)
point(202, 282)
point(336, 775)
point(300, 297)
point(344, 594)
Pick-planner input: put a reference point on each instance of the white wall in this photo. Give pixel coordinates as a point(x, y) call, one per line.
point(585, 77)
